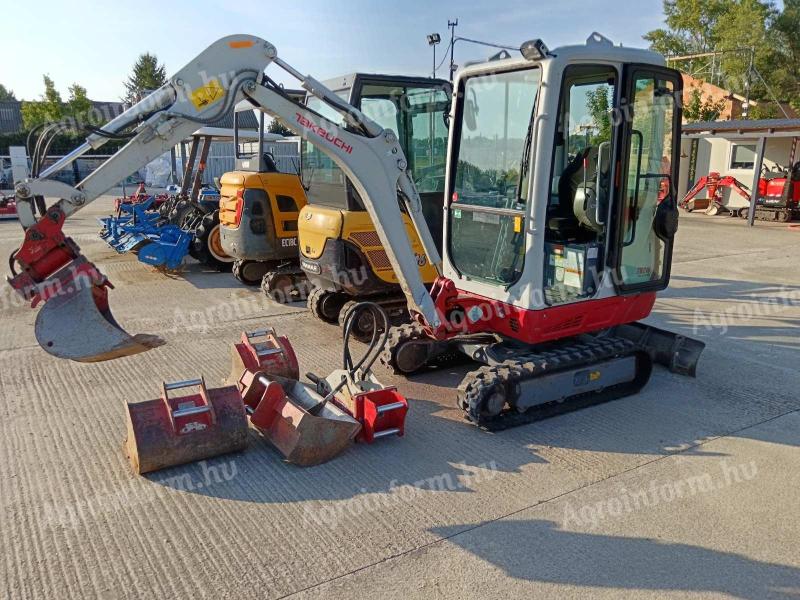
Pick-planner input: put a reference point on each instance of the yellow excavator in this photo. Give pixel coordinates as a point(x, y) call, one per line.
point(340, 251)
point(258, 209)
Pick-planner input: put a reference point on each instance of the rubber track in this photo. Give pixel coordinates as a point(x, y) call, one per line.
point(267, 282)
point(480, 383)
point(400, 334)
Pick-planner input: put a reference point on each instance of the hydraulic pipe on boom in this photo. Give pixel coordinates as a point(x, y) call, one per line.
point(76, 321)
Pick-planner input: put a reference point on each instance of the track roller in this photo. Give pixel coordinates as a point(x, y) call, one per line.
point(326, 305)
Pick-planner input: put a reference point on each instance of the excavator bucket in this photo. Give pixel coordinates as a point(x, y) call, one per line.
point(300, 423)
point(172, 431)
point(77, 324)
point(263, 350)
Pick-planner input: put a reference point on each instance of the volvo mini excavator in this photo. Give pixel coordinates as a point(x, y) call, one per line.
point(340, 252)
point(554, 247)
point(258, 210)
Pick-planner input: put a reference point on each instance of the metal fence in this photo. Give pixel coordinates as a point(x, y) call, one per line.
point(221, 159)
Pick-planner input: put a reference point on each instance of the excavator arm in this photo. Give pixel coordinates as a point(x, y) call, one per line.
point(76, 321)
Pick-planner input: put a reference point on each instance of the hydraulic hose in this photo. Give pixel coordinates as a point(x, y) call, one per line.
point(380, 320)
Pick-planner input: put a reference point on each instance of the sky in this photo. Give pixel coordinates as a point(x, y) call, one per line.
point(96, 43)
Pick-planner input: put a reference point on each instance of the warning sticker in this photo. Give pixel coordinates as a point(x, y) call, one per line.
point(208, 94)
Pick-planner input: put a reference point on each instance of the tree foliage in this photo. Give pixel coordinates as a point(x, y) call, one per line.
point(49, 108)
point(786, 67)
point(278, 127)
point(696, 26)
point(78, 105)
point(147, 75)
point(6, 94)
point(597, 102)
point(699, 109)
point(690, 26)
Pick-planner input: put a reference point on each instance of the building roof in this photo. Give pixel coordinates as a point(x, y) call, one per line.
point(741, 126)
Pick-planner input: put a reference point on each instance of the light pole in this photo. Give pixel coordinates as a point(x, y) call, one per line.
point(452, 25)
point(433, 40)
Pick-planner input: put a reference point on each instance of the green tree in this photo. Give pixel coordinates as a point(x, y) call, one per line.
point(147, 75)
point(691, 26)
point(746, 24)
point(48, 109)
point(598, 104)
point(278, 127)
point(698, 109)
point(785, 67)
point(724, 25)
point(78, 104)
point(6, 94)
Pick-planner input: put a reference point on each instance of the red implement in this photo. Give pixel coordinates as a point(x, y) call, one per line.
point(75, 321)
point(263, 350)
point(173, 431)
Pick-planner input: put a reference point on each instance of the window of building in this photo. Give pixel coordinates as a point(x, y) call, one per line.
point(743, 156)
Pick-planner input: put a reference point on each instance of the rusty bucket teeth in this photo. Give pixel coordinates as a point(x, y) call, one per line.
point(71, 325)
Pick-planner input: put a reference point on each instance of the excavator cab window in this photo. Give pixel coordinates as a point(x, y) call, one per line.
point(648, 205)
point(323, 180)
point(418, 114)
point(415, 109)
point(487, 209)
point(580, 183)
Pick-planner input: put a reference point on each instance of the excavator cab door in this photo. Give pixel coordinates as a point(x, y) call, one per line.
point(646, 215)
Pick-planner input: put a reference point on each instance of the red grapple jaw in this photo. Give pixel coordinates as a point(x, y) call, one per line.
point(75, 321)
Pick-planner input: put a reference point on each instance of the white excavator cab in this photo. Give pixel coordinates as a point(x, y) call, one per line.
point(558, 163)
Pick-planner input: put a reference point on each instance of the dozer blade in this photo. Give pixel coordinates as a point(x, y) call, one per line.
point(680, 354)
point(79, 326)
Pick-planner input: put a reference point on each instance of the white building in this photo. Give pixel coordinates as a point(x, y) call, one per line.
point(736, 148)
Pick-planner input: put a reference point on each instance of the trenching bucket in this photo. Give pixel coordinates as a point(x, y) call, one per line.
point(305, 427)
point(172, 431)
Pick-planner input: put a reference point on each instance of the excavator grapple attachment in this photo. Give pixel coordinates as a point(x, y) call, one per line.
point(174, 430)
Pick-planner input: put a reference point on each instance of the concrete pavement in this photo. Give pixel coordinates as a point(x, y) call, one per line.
point(557, 508)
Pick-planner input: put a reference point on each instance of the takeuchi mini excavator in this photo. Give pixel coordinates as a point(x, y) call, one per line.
point(555, 242)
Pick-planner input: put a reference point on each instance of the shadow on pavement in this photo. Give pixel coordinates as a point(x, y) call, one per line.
point(537, 550)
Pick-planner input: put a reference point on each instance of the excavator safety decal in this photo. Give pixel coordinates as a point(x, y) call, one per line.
point(323, 133)
point(208, 94)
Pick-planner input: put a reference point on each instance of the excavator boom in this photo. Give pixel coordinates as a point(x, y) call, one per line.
point(76, 321)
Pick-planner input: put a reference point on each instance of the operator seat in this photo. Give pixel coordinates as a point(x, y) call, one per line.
point(561, 220)
point(269, 163)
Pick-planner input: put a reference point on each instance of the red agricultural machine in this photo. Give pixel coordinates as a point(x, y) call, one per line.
point(8, 207)
point(778, 195)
